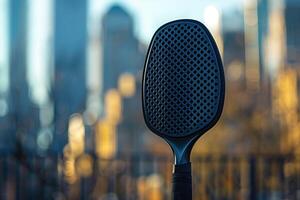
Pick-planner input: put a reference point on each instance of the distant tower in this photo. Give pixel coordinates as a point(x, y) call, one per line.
point(234, 45)
point(120, 47)
point(23, 114)
point(122, 54)
point(292, 19)
point(70, 38)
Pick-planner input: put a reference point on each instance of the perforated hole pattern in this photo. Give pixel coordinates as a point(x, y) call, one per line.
point(182, 80)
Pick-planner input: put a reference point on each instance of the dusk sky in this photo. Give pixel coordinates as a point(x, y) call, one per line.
point(148, 15)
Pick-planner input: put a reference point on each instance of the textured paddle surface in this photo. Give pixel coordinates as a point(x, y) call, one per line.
point(183, 89)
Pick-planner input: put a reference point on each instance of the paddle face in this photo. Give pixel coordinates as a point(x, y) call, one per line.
point(183, 80)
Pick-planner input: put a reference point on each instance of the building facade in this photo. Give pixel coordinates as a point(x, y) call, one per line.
point(69, 90)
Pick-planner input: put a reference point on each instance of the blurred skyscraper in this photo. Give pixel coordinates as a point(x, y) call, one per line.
point(120, 46)
point(70, 39)
point(122, 54)
point(22, 112)
point(253, 76)
point(292, 19)
point(234, 46)
point(286, 88)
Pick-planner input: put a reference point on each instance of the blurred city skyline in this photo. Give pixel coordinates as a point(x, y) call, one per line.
point(101, 45)
point(41, 34)
point(70, 99)
point(249, 35)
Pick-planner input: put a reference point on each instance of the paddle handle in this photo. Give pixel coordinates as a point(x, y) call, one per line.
point(182, 182)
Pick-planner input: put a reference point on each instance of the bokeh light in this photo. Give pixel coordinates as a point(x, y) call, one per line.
point(71, 123)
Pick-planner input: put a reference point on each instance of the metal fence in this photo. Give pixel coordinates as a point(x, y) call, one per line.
point(146, 177)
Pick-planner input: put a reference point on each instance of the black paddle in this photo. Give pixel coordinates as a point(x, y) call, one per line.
point(183, 92)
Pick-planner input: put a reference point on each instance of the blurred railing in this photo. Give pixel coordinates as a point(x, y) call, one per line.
point(146, 177)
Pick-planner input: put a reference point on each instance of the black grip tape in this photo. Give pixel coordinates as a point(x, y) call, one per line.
point(182, 182)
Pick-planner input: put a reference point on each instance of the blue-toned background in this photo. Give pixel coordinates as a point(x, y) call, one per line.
point(71, 125)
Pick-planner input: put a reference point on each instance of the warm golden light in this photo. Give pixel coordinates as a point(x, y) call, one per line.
point(74, 148)
point(251, 46)
point(69, 171)
point(154, 184)
point(84, 165)
point(67, 151)
point(76, 135)
point(75, 122)
point(275, 41)
point(77, 148)
point(113, 106)
point(141, 186)
point(286, 100)
point(126, 85)
point(235, 71)
point(285, 107)
point(106, 139)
